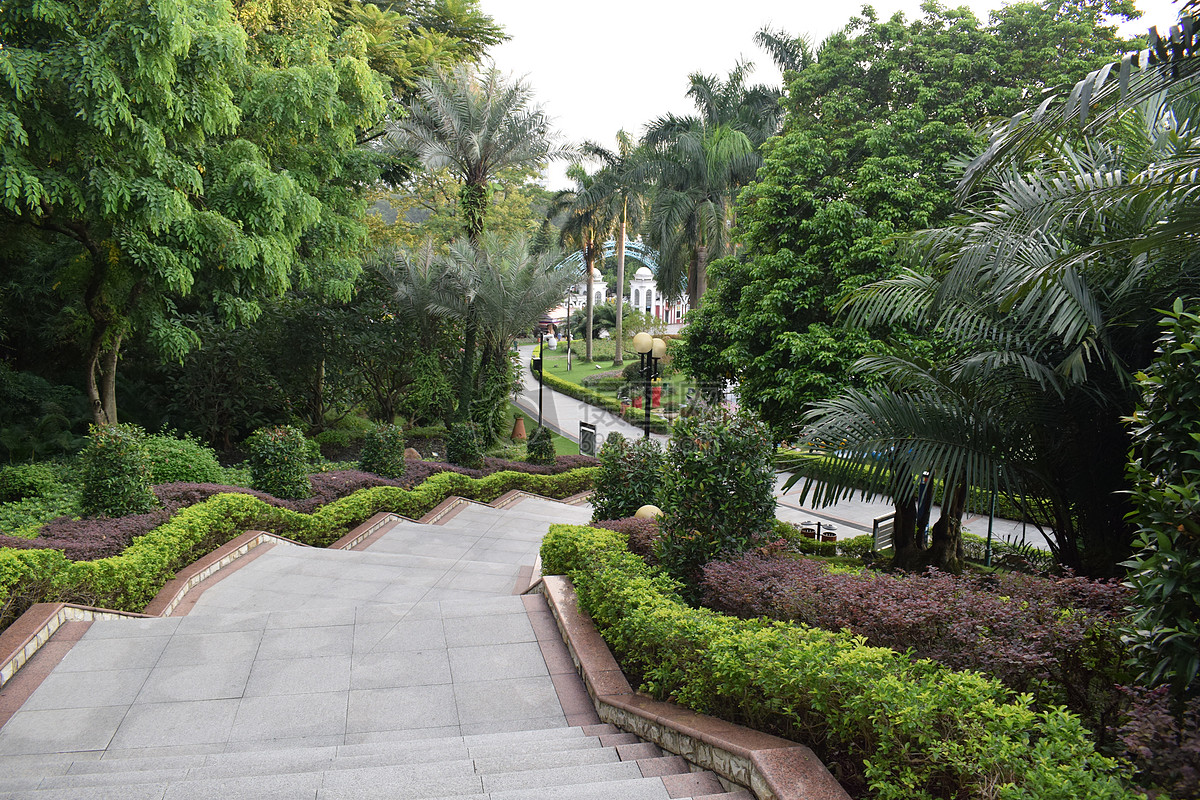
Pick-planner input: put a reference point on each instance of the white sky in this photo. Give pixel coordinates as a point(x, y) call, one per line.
point(597, 67)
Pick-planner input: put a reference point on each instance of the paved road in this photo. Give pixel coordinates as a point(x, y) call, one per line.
point(853, 517)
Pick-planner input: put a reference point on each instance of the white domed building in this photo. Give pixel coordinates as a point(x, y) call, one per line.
point(645, 297)
point(578, 294)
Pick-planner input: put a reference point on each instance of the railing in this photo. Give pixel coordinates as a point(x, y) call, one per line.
point(882, 529)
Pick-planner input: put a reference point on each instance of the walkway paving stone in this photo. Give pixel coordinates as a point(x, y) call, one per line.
point(406, 670)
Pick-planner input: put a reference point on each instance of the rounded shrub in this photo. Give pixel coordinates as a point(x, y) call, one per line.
point(540, 447)
point(115, 472)
point(279, 462)
point(628, 476)
point(19, 481)
point(181, 460)
point(383, 451)
point(462, 446)
point(717, 490)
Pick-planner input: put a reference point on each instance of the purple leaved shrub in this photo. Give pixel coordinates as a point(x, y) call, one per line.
point(1163, 745)
point(643, 535)
point(1054, 638)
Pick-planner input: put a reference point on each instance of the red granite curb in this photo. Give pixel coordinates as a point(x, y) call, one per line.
point(773, 768)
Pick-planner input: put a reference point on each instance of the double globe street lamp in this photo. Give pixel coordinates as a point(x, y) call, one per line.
point(650, 350)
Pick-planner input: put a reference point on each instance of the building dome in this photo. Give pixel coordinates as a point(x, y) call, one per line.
point(643, 274)
point(596, 274)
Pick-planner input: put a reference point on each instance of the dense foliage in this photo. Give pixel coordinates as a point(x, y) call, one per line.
point(115, 472)
point(628, 477)
point(1165, 473)
point(717, 492)
point(871, 125)
point(540, 447)
point(1055, 639)
point(279, 461)
point(895, 726)
point(173, 459)
point(383, 451)
point(462, 445)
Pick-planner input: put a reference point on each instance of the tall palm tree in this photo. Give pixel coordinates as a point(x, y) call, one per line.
point(475, 124)
point(621, 185)
point(699, 164)
point(589, 222)
point(698, 171)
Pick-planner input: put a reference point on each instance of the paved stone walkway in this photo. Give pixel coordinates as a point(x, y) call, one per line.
point(406, 670)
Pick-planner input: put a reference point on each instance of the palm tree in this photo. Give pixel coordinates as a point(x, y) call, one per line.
point(699, 164)
point(620, 185)
point(1049, 284)
point(513, 288)
point(474, 124)
point(505, 286)
point(589, 222)
point(698, 170)
point(790, 53)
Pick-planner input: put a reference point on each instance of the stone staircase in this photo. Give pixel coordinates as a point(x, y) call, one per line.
point(572, 763)
point(407, 669)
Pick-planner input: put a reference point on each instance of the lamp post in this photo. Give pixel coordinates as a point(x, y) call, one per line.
point(543, 325)
point(569, 293)
point(650, 350)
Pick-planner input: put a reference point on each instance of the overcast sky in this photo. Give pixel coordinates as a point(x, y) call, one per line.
point(597, 67)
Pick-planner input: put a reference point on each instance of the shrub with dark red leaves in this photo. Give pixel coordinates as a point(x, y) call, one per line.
point(642, 533)
point(1056, 639)
point(1164, 747)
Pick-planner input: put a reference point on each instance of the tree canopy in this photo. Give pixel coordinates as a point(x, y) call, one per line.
point(871, 127)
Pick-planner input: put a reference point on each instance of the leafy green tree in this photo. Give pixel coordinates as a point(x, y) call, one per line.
point(474, 124)
point(1165, 472)
point(871, 127)
point(121, 135)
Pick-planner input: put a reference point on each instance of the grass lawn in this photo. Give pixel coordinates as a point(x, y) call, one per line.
point(562, 445)
point(602, 355)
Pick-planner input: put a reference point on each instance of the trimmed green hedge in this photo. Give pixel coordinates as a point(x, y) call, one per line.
point(127, 582)
point(657, 424)
point(918, 729)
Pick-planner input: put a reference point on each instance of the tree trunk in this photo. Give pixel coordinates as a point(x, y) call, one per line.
point(907, 553)
point(945, 546)
point(588, 262)
point(619, 332)
point(466, 375)
point(102, 376)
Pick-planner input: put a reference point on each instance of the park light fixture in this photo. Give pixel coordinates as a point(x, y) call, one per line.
point(650, 350)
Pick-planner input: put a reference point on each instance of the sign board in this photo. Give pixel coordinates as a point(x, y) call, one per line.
point(587, 439)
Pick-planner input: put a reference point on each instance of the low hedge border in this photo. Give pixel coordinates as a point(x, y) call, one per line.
point(657, 424)
point(902, 728)
point(127, 582)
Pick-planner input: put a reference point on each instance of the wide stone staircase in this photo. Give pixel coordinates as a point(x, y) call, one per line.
point(408, 669)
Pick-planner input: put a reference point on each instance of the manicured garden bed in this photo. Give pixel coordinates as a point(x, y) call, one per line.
point(891, 725)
